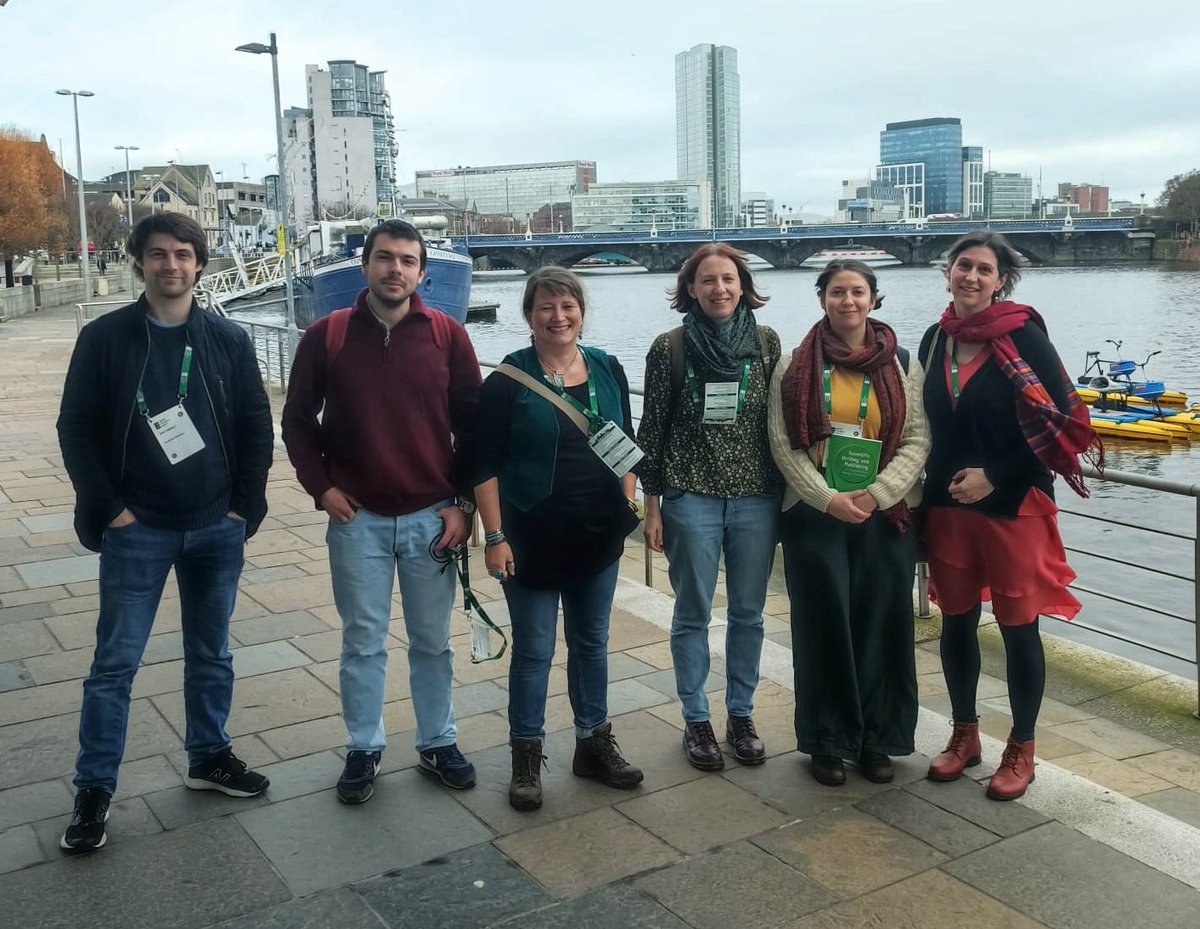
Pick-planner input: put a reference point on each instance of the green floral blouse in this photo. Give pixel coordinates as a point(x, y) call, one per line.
point(714, 460)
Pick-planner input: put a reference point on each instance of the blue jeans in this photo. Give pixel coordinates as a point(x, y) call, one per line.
point(134, 563)
point(534, 612)
point(696, 530)
point(364, 555)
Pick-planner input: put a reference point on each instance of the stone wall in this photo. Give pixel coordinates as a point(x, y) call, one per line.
point(1185, 250)
point(16, 301)
point(56, 293)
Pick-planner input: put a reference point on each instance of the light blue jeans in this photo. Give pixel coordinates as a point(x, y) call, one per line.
point(364, 555)
point(586, 608)
point(696, 530)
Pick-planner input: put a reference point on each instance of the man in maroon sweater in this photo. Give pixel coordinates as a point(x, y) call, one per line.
point(380, 460)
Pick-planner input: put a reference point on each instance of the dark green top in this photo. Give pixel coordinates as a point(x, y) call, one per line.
point(714, 460)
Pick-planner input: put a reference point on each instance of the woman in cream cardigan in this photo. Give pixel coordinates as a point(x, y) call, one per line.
point(850, 554)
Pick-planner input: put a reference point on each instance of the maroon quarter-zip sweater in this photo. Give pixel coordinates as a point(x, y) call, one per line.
point(378, 422)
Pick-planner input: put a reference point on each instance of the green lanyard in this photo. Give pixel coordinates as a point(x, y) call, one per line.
point(593, 414)
point(954, 369)
point(694, 385)
point(183, 382)
point(862, 402)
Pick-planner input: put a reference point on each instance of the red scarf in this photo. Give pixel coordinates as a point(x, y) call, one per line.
point(1056, 438)
point(802, 391)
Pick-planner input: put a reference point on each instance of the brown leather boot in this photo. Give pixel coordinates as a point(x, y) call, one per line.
point(525, 788)
point(1015, 772)
point(962, 751)
point(599, 757)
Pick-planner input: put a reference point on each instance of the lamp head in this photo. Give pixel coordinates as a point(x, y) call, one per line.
point(254, 48)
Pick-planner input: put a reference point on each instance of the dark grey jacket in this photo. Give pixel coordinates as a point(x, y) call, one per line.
point(99, 403)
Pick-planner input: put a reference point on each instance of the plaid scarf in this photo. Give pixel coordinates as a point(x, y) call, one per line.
point(802, 392)
point(1056, 438)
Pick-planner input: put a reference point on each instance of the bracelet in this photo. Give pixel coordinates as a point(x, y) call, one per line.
point(632, 503)
point(494, 538)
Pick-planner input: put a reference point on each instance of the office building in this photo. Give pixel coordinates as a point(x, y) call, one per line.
point(340, 154)
point(758, 210)
point(925, 159)
point(517, 190)
point(1007, 195)
point(708, 126)
point(972, 181)
point(1092, 198)
point(870, 202)
point(639, 206)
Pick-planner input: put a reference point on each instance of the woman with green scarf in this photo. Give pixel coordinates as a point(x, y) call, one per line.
point(711, 488)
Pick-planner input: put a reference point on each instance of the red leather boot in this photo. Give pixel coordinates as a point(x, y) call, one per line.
point(1015, 772)
point(962, 751)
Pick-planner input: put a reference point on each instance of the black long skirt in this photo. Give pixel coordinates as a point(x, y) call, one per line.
point(852, 633)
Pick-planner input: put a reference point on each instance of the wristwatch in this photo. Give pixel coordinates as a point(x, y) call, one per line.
point(467, 506)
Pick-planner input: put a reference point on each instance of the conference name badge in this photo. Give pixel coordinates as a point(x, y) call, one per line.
point(851, 462)
point(175, 434)
point(720, 403)
point(615, 448)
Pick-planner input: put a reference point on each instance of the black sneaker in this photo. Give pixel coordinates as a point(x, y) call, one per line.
point(448, 765)
point(228, 774)
point(86, 831)
point(357, 783)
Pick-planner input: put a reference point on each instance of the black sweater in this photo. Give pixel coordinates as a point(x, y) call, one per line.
point(983, 431)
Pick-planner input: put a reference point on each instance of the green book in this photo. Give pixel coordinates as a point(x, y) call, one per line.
point(851, 463)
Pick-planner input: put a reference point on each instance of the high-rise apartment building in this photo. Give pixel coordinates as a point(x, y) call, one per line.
point(708, 119)
point(924, 158)
point(341, 149)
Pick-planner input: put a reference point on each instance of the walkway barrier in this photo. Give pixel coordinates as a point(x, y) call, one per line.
point(270, 345)
point(86, 312)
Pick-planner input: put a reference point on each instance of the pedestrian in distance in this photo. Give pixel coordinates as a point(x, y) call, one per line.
point(165, 431)
point(376, 395)
point(1005, 419)
point(850, 437)
point(711, 488)
point(553, 431)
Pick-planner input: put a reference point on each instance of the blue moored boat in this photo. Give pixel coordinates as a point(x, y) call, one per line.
point(334, 277)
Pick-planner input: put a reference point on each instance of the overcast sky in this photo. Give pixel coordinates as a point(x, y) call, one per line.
point(1106, 91)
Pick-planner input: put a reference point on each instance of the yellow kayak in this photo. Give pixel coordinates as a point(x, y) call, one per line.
point(1152, 432)
point(1173, 399)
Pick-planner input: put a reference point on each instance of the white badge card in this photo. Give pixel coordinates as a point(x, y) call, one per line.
point(850, 430)
point(176, 434)
point(720, 402)
point(615, 448)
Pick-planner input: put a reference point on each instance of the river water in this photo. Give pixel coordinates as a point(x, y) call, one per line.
point(1150, 308)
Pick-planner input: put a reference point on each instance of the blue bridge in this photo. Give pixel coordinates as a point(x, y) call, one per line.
point(1042, 241)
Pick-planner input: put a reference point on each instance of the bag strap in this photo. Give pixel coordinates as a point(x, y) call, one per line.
point(335, 333)
point(902, 354)
point(542, 390)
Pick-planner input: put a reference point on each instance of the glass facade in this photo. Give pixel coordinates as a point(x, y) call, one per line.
point(937, 144)
point(1007, 195)
point(708, 127)
point(508, 190)
point(638, 206)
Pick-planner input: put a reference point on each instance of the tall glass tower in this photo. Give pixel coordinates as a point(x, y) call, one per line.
point(708, 128)
point(937, 144)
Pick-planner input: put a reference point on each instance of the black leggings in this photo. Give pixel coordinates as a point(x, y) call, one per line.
point(1026, 669)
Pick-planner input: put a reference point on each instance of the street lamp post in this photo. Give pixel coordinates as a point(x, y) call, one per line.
point(83, 234)
point(128, 182)
point(257, 48)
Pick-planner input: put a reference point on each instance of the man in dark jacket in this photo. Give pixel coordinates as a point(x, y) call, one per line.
point(165, 430)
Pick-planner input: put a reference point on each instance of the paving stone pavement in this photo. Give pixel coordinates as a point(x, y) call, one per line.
point(763, 846)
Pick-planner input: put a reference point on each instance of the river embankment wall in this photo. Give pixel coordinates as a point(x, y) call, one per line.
point(1186, 251)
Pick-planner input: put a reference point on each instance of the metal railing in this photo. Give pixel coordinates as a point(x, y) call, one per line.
point(85, 312)
point(271, 342)
point(271, 345)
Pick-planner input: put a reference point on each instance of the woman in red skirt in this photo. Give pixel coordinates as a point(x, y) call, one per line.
point(1004, 420)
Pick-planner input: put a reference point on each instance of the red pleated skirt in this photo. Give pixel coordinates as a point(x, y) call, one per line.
point(1019, 565)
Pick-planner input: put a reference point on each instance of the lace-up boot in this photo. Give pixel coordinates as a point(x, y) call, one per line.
point(700, 746)
point(1015, 773)
point(598, 757)
point(525, 788)
point(961, 752)
point(748, 748)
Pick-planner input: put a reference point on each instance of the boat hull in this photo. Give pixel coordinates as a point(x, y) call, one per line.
point(446, 286)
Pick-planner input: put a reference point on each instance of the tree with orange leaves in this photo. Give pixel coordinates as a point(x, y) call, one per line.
point(32, 213)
